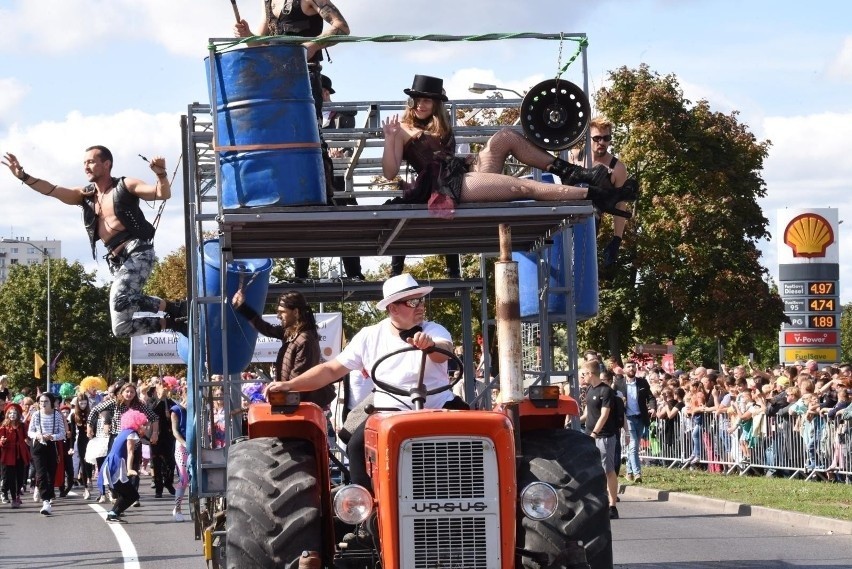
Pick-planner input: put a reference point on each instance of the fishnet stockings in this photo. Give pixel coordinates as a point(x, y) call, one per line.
point(508, 142)
point(485, 183)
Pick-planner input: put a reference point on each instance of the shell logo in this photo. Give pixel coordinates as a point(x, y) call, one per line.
point(808, 235)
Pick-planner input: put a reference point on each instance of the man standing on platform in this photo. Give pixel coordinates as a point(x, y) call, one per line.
point(305, 18)
point(600, 133)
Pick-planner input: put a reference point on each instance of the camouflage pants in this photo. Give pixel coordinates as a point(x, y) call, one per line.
point(126, 298)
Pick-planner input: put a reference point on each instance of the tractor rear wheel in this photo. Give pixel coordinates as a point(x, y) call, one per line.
point(273, 503)
point(569, 461)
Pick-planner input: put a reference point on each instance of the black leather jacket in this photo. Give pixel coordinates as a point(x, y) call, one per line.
point(126, 209)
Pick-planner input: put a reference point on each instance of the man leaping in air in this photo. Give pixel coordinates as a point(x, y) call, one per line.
point(112, 215)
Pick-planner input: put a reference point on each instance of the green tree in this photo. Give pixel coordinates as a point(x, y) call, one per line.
point(846, 333)
point(168, 278)
point(79, 321)
point(689, 259)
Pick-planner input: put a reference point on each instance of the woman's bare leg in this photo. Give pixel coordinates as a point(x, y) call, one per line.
point(485, 187)
point(508, 142)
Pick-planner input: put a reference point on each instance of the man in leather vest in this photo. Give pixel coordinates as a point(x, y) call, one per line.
point(111, 214)
point(305, 18)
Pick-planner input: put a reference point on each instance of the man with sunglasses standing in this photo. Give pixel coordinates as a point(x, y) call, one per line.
point(405, 325)
point(600, 131)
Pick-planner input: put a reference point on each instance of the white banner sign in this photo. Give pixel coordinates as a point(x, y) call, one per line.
point(161, 348)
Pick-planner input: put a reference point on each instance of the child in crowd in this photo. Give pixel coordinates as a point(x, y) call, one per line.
point(117, 469)
point(14, 453)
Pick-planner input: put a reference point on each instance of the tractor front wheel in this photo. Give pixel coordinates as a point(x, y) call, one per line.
point(569, 461)
point(273, 509)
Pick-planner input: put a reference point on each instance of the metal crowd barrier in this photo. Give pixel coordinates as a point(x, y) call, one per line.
point(787, 446)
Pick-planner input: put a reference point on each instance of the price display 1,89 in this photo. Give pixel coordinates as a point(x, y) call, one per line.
point(822, 321)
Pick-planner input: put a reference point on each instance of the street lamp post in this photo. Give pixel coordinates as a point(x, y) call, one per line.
point(480, 88)
point(47, 258)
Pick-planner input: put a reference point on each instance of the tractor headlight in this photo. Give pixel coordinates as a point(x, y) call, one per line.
point(353, 504)
point(539, 501)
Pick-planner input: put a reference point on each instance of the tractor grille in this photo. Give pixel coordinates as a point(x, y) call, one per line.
point(450, 542)
point(449, 504)
point(443, 470)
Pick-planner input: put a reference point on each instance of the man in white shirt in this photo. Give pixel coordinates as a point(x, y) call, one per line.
point(406, 325)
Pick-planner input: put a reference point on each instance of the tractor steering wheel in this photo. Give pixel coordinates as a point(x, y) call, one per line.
point(417, 394)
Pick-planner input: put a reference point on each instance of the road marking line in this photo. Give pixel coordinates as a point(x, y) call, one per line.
point(128, 550)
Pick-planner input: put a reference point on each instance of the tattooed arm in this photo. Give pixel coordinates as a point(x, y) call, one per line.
point(337, 24)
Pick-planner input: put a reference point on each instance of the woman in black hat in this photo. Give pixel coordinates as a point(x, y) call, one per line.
point(424, 138)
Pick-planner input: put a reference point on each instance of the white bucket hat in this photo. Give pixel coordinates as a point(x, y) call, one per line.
point(399, 287)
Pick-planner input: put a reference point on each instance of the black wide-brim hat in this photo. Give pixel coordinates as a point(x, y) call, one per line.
point(426, 87)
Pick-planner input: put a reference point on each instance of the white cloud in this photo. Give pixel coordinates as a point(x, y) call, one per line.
point(54, 151)
point(457, 84)
point(841, 66)
point(804, 170)
point(62, 26)
point(11, 93)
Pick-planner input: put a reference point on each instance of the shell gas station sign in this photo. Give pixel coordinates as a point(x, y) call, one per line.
point(809, 269)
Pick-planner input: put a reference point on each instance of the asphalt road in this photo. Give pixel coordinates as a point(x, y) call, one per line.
point(694, 532)
point(676, 532)
point(76, 535)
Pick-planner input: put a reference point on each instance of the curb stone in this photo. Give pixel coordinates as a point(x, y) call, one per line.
point(828, 525)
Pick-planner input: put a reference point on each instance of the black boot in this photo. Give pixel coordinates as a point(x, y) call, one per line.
point(178, 325)
point(573, 175)
point(598, 175)
point(176, 309)
point(606, 198)
point(562, 169)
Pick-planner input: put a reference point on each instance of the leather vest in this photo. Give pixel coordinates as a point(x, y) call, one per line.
point(293, 22)
point(127, 211)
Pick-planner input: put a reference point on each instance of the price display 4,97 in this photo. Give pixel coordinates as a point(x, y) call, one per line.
point(822, 321)
point(822, 288)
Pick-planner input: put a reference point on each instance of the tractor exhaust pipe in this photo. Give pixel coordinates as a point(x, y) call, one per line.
point(508, 312)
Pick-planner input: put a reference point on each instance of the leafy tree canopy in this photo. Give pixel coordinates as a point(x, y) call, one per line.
point(81, 332)
point(689, 258)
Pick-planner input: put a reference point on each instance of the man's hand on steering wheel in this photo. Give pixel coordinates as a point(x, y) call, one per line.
point(425, 342)
point(421, 341)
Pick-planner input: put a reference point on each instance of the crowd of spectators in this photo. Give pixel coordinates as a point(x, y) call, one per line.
point(74, 427)
point(786, 421)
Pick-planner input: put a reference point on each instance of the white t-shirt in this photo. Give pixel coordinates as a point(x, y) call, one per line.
point(360, 386)
point(402, 370)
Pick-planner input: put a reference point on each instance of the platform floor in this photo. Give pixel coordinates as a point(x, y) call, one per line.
point(370, 230)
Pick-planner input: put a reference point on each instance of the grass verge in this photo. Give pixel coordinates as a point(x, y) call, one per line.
point(814, 498)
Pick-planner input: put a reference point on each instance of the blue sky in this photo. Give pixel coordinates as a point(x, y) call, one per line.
point(75, 73)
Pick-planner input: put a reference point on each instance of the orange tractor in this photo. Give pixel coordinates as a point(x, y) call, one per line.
point(510, 487)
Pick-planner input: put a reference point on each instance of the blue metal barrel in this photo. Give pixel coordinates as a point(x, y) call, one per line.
point(254, 273)
point(585, 273)
point(265, 128)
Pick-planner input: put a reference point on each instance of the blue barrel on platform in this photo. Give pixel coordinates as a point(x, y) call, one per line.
point(585, 272)
point(266, 128)
point(254, 273)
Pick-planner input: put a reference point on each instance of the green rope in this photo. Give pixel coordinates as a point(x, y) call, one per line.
point(582, 44)
point(221, 44)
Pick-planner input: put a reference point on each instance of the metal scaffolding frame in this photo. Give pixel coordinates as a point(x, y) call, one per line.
point(362, 230)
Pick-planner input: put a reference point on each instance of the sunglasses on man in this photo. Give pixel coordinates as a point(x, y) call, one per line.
point(412, 302)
